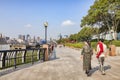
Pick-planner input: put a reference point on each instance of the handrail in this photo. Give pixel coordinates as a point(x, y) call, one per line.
point(9, 58)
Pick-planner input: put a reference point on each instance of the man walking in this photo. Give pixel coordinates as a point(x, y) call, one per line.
point(101, 52)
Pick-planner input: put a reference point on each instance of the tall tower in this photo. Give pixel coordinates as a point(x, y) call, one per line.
point(0, 35)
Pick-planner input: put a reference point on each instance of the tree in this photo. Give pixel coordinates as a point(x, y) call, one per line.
point(105, 14)
point(86, 33)
point(73, 37)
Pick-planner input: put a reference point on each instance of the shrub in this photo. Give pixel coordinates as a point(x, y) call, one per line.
point(116, 42)
point(75, 45)
point(93, 44)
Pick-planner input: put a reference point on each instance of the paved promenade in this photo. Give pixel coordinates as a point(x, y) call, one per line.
point(67, 66)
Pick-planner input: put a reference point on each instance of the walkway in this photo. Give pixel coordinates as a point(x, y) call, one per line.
point(67, 66)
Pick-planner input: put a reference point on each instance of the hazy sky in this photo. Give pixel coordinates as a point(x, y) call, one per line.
point(27, 17)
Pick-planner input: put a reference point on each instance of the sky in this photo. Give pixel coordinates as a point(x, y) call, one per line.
point(28, 16)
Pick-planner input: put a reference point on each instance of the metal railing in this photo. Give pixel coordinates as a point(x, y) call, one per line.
point(12, 58)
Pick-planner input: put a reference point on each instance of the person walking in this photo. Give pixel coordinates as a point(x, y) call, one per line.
point(101, 52)
point(86, 57)
point(53, 52)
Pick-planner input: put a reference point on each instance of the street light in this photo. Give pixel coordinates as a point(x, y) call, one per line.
point(46, 25)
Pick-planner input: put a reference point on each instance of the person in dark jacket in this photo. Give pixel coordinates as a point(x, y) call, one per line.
point(86, 56)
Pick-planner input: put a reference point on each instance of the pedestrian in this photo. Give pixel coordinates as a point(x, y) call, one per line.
point(101, 53)
point(64, 45)
point(86, 57)
point(53, 52)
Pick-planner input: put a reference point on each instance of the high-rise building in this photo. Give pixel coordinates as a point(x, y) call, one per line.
point(34, 39)
point(21, 37)
point(28, 38)
point(0, 35)
point(7, 38)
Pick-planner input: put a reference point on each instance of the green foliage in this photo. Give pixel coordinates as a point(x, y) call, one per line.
point(86, 33)
point(107, 42)
point(80, 45)
point(116, 42)
point(75, 45)
point(105, 13)
point(93, 44)
point(73, 37)
point(63, 40)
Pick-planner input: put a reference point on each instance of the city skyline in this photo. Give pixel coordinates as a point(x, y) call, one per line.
point(27, 17)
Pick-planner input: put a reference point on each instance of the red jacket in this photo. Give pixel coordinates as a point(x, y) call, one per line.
point(101, 49)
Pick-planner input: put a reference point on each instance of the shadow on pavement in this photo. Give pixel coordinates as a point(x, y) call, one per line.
point(97, 68)
point(50, 59)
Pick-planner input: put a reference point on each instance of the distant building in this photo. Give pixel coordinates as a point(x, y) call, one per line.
point(38, 39)
point(21, 37)
point(107, 36)
point(7, 38)
point(3, 44)
point(0, 35)
point(27, 37)
point(3, 41)
point(17, 46)
point(34, 40)
point(118, 36)
point(20, 40)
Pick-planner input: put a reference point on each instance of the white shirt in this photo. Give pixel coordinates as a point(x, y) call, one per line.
point(104, 50)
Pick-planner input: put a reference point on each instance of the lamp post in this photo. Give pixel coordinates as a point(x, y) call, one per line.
point(46, 25)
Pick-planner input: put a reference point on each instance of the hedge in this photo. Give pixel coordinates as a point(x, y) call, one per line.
point(93, 44)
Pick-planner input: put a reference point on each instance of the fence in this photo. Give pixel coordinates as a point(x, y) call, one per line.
point(12, 58)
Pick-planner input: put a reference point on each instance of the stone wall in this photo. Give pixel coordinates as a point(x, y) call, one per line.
point(118, 51)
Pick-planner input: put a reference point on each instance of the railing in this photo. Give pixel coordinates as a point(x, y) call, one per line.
point(12, 58)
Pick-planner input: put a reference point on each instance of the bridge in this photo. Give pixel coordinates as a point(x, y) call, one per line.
point(67, 66)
